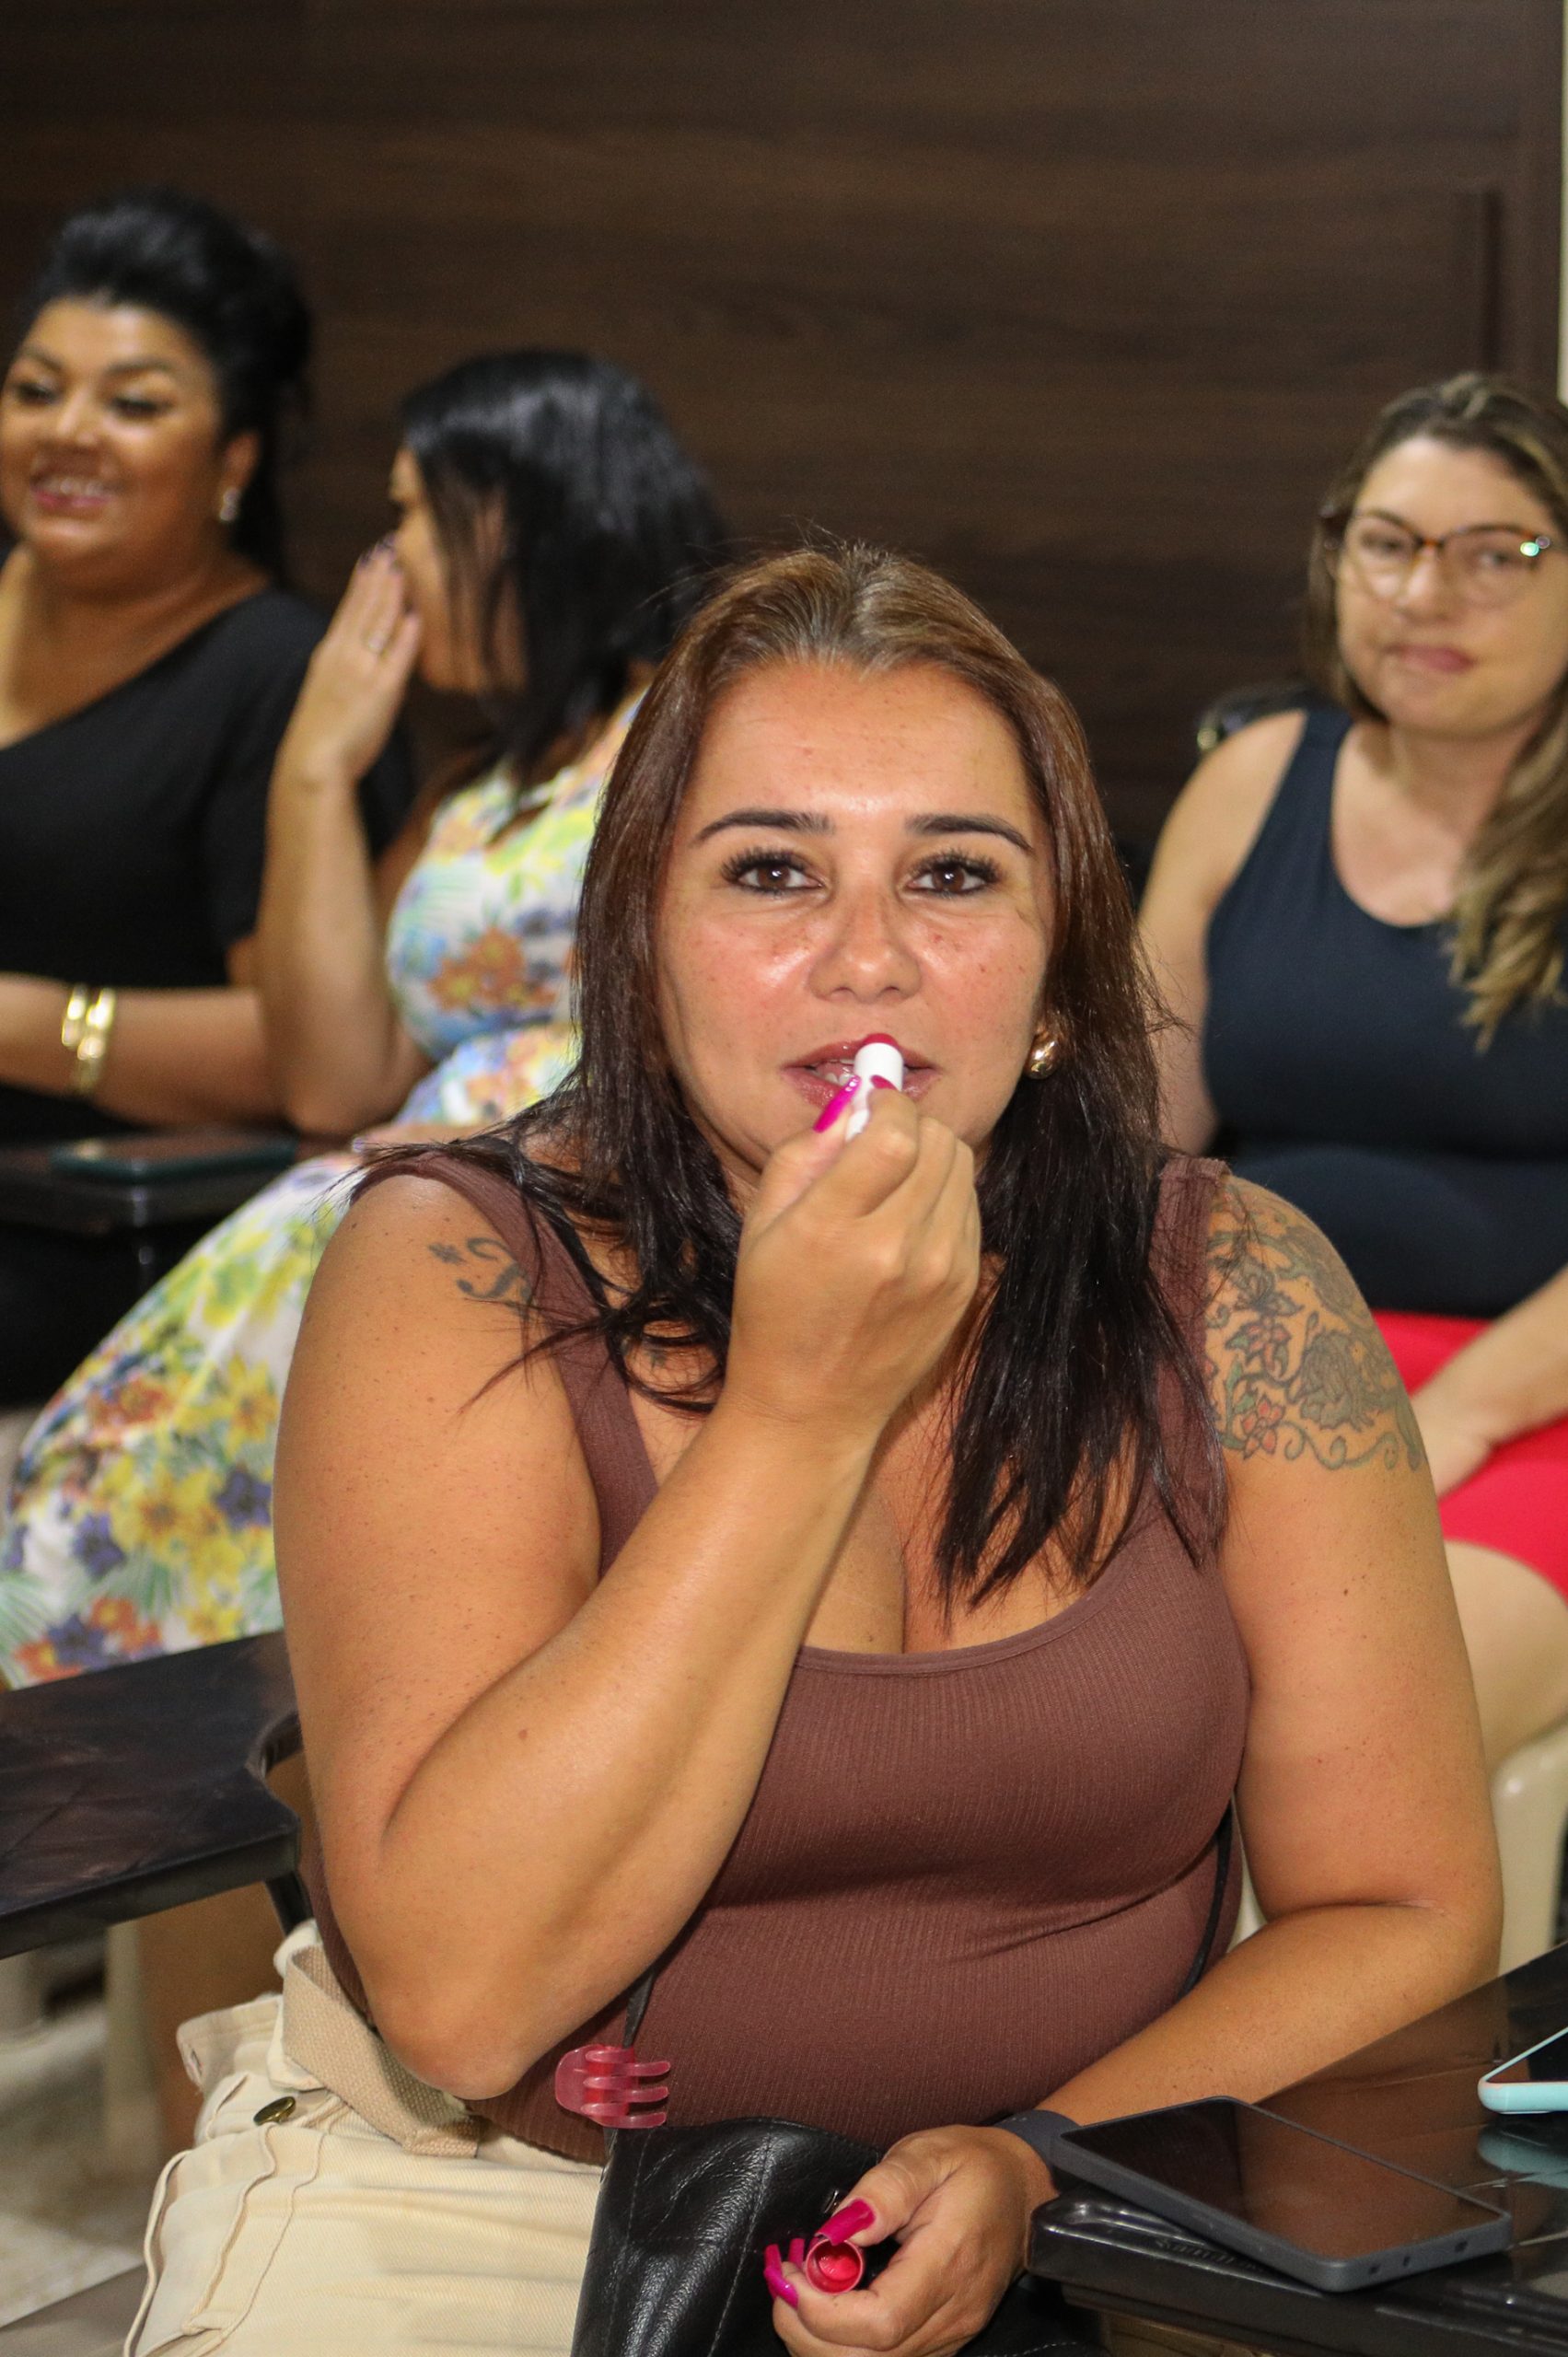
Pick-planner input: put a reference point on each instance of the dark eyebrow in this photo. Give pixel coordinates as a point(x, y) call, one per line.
point(1386, 516)
point(140, 368)
point(970, 822)
point(786, 822)
point(118, 369)
point(812, 822)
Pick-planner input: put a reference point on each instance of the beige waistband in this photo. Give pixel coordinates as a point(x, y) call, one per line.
point(324, 2033)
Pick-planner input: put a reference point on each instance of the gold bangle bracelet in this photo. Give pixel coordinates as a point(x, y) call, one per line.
point(93, 1045)
point(74, 1017)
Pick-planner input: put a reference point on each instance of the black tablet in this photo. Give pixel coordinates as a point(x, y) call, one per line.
point(1304, 2204)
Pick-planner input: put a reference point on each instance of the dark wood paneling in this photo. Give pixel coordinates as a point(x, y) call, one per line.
point(1083, 300)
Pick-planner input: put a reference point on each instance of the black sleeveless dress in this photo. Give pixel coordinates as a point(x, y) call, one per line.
point(1346, 1078)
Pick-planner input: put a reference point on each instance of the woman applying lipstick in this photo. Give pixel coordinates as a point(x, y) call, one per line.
point(1361, 917)
point(864, 1600)
point(148, 664)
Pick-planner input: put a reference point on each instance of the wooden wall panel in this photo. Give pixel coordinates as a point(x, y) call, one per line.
point(1081, 298)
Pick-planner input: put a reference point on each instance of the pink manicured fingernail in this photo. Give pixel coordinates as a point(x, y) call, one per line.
point(878, 1081)
point(835, 1105)
point(776, 2278)
point(850, 2220)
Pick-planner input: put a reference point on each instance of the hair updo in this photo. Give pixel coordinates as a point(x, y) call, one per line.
point(232, 291)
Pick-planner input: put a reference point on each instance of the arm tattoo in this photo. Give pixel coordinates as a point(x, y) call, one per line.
point(495, 1276)
point(1296, 1365)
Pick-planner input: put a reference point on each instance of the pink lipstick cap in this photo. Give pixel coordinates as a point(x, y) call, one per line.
point(833, 2267)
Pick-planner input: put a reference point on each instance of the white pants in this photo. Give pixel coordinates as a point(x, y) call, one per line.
point(326, 2234)
point(320, 2234)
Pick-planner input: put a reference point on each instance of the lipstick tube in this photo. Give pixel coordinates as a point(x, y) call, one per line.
point(876, 1059)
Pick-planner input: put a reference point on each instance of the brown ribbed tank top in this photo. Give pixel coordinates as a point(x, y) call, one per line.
point(963, 1874)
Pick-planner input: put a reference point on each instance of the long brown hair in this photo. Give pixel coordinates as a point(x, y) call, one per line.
point(1060, 1400)
point(1507, 922)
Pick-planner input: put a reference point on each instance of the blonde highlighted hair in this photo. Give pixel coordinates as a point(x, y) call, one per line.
point(1513, 892)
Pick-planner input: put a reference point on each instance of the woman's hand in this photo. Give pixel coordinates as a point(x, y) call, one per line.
point(856, 1263)
point(959, 2202)
point(356, 680)
point(1455, 1444)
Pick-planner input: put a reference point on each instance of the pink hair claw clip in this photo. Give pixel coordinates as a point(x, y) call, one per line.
point(607, 2085)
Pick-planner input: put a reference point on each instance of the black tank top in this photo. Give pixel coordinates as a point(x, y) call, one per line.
point(1346, 1078)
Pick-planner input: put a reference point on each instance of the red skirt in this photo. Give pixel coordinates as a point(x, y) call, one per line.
point(1518, 1504)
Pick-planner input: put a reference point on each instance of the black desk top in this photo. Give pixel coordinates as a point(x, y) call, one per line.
point(33, 1193)
point(1410, 2098)
point(134, 1789)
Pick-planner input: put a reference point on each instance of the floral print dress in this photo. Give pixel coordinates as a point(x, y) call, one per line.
point(140, 1514)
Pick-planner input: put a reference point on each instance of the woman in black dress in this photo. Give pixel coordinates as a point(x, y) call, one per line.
point(148, 665)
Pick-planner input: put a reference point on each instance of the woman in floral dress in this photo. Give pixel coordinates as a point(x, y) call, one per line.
point(552, 538)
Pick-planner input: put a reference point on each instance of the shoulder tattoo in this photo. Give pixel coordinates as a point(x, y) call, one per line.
point(1296, 1366)
point(490, 1273)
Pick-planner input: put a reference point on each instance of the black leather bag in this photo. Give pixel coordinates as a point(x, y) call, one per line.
point(685, 2216)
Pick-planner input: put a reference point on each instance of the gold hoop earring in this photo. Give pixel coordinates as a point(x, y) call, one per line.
point(228, 506)
point(1042, 1055)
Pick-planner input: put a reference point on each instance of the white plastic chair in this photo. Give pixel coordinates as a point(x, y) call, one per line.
point(1529, 1809)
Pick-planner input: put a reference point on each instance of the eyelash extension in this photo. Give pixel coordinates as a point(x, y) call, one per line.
point(972, 864)
point(35, 390)
point(737, 867)
point(761, 855)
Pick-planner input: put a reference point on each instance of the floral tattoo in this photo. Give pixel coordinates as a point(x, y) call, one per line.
point(494, 1275)
point(1296, 1365)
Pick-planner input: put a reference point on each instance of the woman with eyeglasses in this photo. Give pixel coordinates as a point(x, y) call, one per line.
point(1361, 914)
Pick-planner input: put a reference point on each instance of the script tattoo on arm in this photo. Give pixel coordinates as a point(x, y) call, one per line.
point(490, 1274)
point(1296, 1366)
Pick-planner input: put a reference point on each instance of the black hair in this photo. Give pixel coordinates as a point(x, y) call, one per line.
point(609, 529)
point(232, 291)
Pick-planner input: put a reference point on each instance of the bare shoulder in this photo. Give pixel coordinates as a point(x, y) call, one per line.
point(418, 1306)
point(1249, 762)
point(435, 1514)
point(1296, 1366)
point(418, 1422)
point(1216, 818)
point(420, 1242)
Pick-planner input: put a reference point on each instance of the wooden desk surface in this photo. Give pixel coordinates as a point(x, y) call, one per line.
point(134, 1789)
point(1410, 2098)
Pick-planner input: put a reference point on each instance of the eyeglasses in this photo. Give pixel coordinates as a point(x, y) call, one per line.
point(1486, 564)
